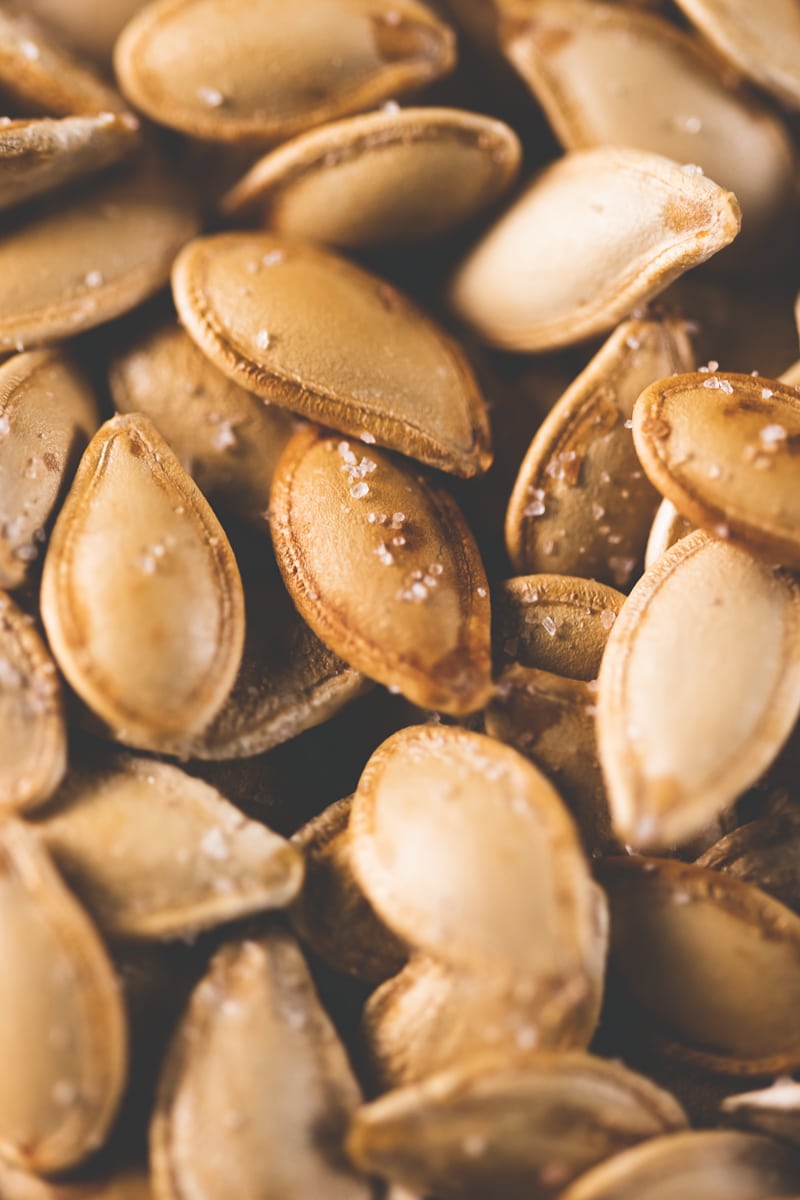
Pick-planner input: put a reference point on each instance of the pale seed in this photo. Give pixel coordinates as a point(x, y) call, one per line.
point(328, 325)
point(382, 178)
point(698, 690)
point(256, 1091)
point(725, 449)
point(238, 70)
point(154, 853)
point(48, 413)
point(595, 234)
point(33, 735)
point(395, 586)
point(62, 1033)
point(582, 504)
point(141, 595)
point(668, 528)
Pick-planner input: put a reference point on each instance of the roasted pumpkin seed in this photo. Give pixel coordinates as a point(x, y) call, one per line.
point(774, 1110)
point(141, 595)
point(420, 397)
point(125, 1184)
point(668, 528)
point(764, 852)
point(91, 27)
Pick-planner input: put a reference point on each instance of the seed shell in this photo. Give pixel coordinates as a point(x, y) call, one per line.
point(765, 852)
point(396, 586)
point(420, 398)
point(668, 528)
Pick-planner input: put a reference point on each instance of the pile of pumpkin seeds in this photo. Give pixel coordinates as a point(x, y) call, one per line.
point(400, 610)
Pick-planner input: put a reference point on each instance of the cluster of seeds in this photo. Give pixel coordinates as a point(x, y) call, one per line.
point(399, 626)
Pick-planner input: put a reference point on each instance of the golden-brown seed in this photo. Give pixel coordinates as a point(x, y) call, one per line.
point(488, 1128)
point(773, 1110)
point(306, 329)
point(41, 78)
point(382, 178)
point(127, 1183)
point(760, 40)
point(698, 951)
point(256, 1091)
point(62, 1032)
point(33, 735)
point(550, 719)
point(668, 528)
point(154, 853)
point(83, 261)
point(260, 71)
point(40, 155)
point(610, 74)
point(141, 595)
point(556, 623)
point(698, 690)
point(765, 852)
point(91, 27)
point(595, 234)
point(48, 413)
point(382, 565)
point(581, 504)
point(332, 915)
point(463, 848)
point(725, 449)
point(701, 1165)
point(228, 439)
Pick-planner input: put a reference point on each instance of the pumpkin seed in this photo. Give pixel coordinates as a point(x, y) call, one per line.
point(698, 951)
point(463, 848)
point(332, 915)
point(33, 735)
point(234, 70)
point(41, 155)
point(91, 27)
point(520, 1130)
point(761, 42)
point(556, 623)
point(774, 1110)
point(595, 234)
point(396, 587)
point(581, 504)
point(706, 627)
point(62, 1033)
point(124, 1184)
point(141, 595)
point(668, 528)
point(725, 450)
point(420, 399)
point(707, 1165)
point(763, 852)
point(48, 414)
point(154, 853)
point(228, 439)
point(669, 96)
point(256, 1091)
point(381, 178)
point(83, 261)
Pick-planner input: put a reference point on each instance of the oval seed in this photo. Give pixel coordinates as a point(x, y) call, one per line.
point(707, 628)
point(396, 586)
point(556, 623)
point(582, 504)
point(698, 951)
point(463, 848)
point(725, 449)
point(33, 734)
point(550, 719)
point(228, 439)
point(668, 528)
point(420, 398)
point(382, 178)
point(41, 155)
point(256, 1091)
point(141, 595)
point(489, 1128)
point(154, 853)
point(761, 41)
point(91, 27)
point(48, 413)
point(257, 70)
point(595, 234)
point(700, 1165)
point(62, 1033)
point(773, 1110)
point(765, 852)
point(332, 915)
point(85, 260)
point(615, 75)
